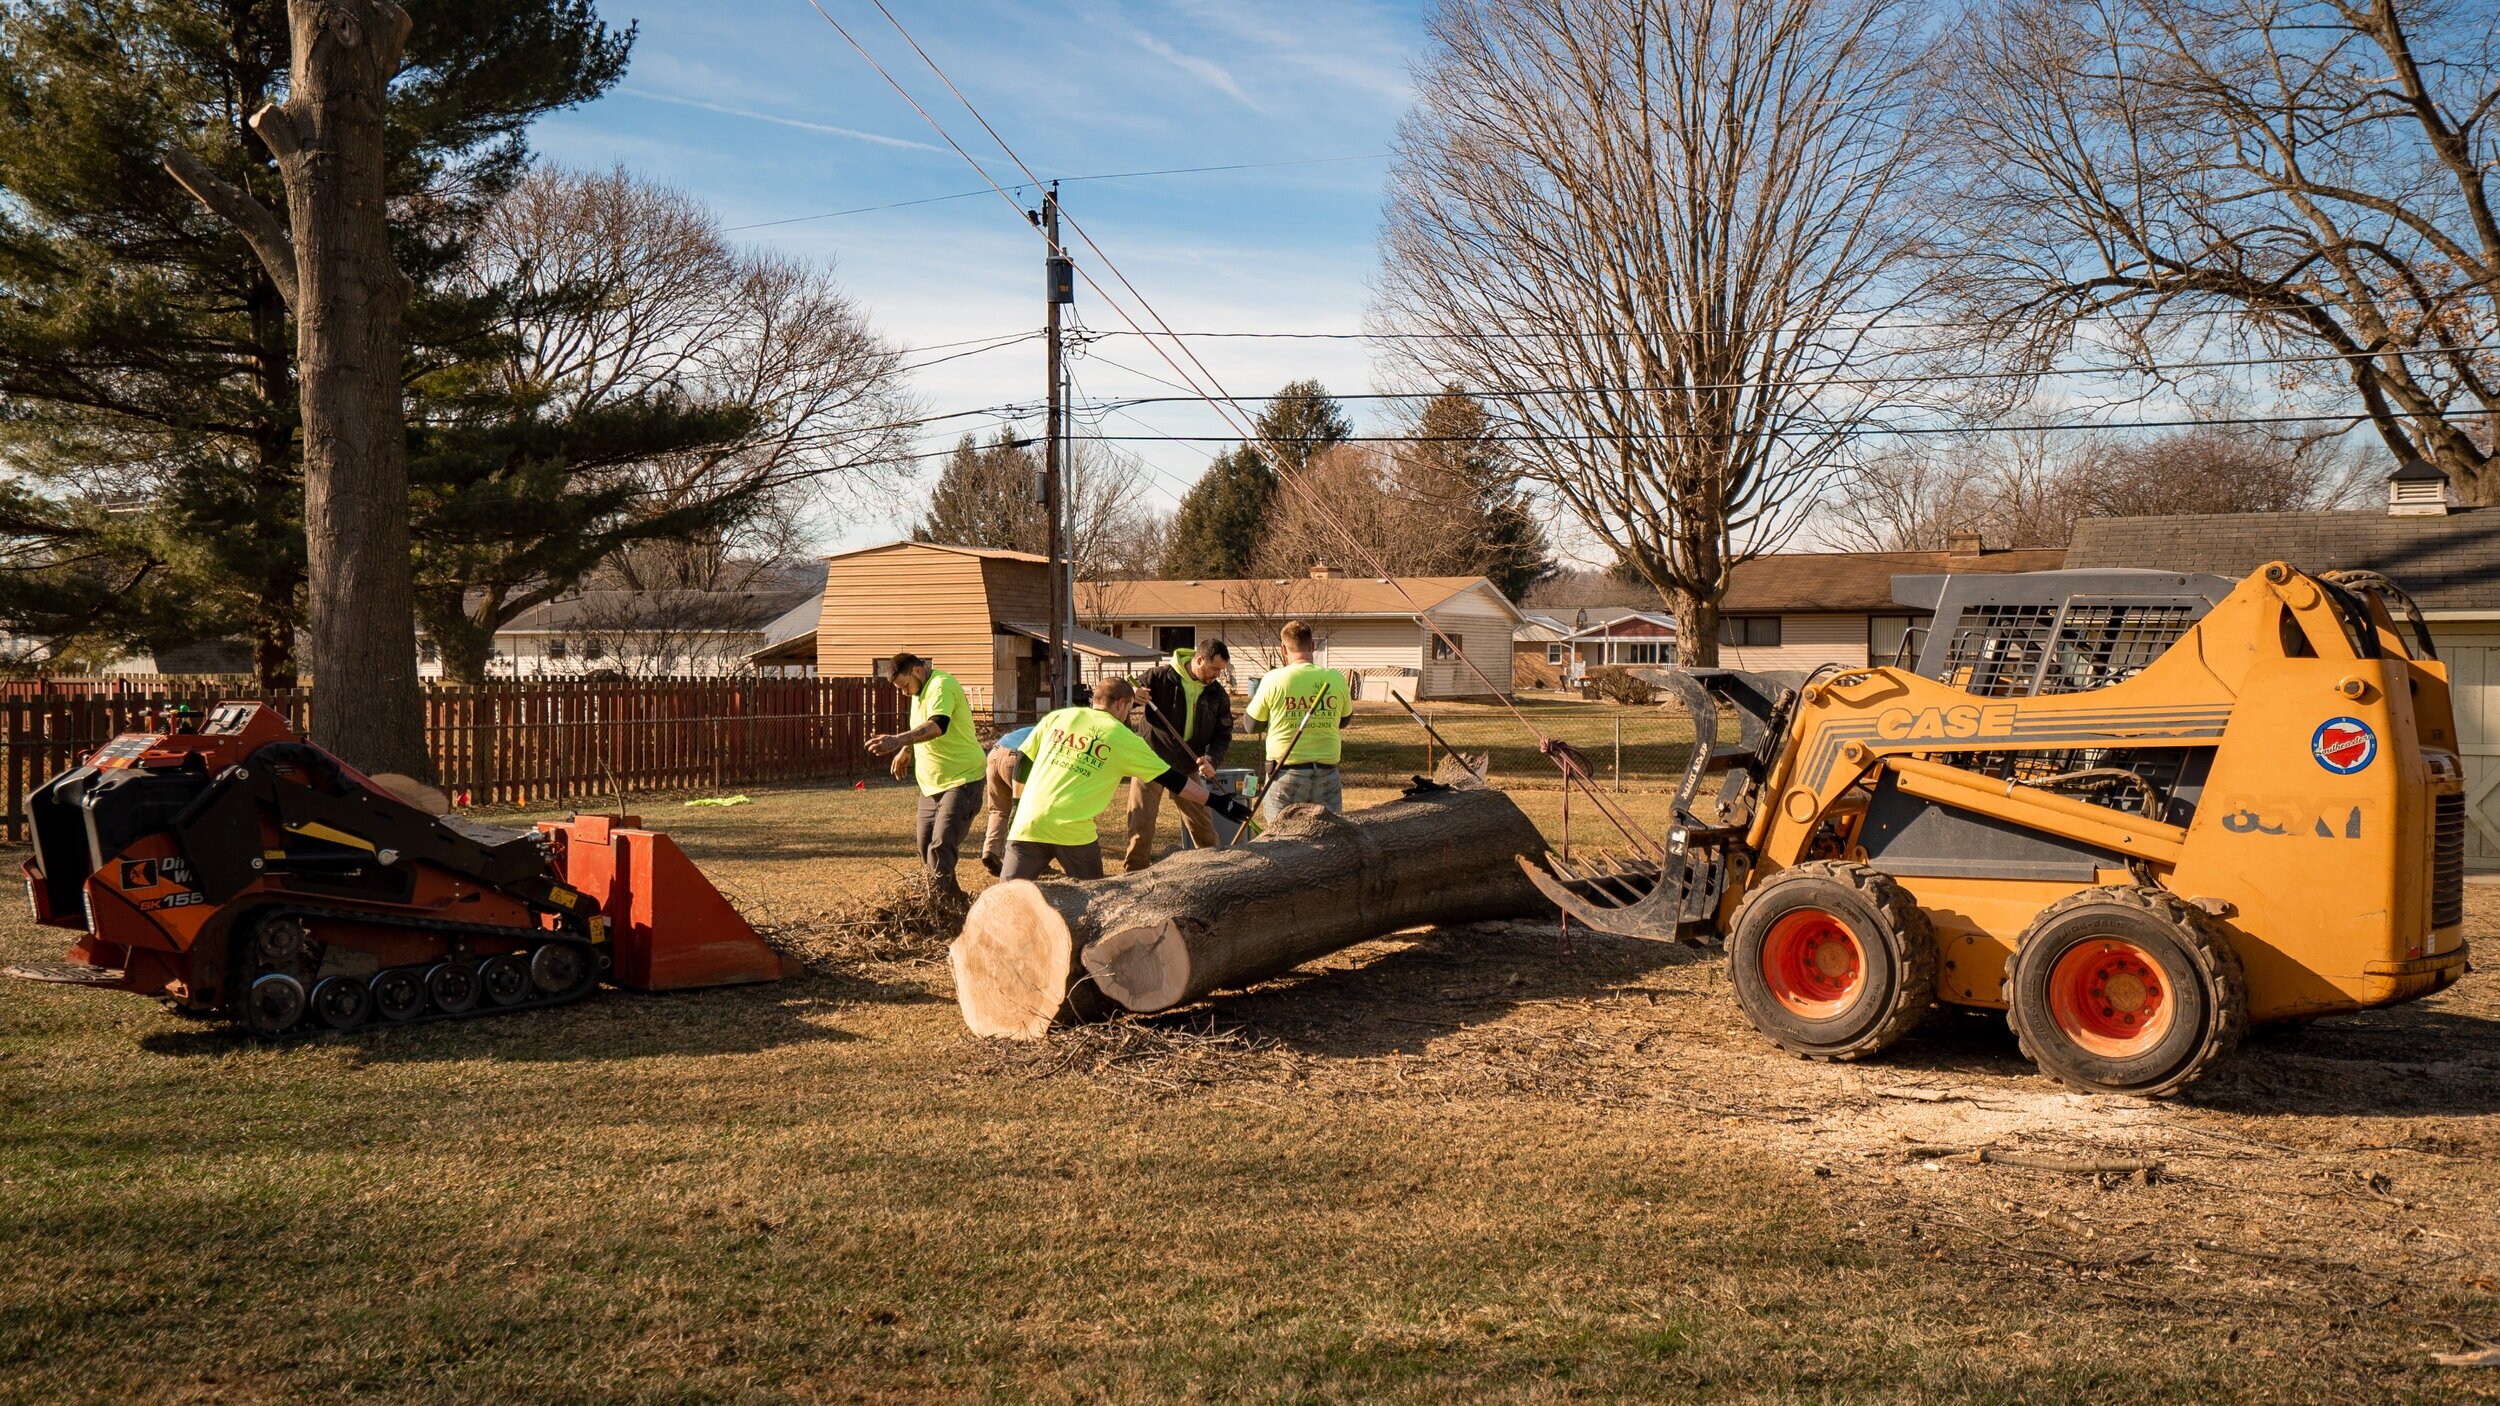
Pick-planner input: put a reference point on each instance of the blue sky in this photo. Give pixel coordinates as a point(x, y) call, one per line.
point(760, 108)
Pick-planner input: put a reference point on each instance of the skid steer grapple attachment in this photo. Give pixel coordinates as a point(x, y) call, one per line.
point(1669, 888)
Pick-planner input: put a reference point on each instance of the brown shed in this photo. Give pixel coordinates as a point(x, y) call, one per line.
point(979, 612)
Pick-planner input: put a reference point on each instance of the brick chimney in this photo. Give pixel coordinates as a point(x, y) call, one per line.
point(2417, 489)
point(1963, 542)
point(1322, 571)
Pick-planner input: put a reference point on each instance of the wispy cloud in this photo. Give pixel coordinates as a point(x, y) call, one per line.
point(826, 129)
point(1205, 70)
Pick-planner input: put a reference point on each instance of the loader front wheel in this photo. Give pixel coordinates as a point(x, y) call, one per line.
point(2125, 991)
point(1832, 960)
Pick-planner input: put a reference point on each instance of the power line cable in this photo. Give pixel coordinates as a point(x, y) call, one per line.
point(1098, 176)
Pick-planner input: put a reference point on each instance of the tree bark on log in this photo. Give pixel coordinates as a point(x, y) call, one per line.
point(1035, 955)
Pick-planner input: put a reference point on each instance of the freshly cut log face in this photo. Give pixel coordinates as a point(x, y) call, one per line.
point(1033, 955)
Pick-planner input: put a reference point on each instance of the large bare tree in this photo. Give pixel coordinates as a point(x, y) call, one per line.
point(2027, 485)
point(1664, 241)
point(331, 262)
point(2298, 176)
point(627, 305)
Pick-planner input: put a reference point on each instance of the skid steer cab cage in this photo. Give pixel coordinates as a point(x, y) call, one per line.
point(1669, 887)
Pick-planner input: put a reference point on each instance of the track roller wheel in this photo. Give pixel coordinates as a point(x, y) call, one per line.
point(1832, 960)
point(559, 969)
point(2125, 991)
point(340, 1002)
point(398, 994)
point(505, 979)
point(453, 987)
point(273, 1004)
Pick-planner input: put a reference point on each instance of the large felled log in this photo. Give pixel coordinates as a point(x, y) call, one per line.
point(1033, 955)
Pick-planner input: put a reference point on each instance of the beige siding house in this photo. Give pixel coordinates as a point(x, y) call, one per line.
point(1798, 611)
point(1802, 610)
point(2447, 560)
point(1367, 626)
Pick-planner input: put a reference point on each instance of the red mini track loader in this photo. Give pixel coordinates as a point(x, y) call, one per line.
point(237, 870)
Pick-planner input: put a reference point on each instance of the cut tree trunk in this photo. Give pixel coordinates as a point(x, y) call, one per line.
point(1035, 955)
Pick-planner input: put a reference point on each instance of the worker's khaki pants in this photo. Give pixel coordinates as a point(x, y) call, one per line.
point(1145, 799)
point(999, 784)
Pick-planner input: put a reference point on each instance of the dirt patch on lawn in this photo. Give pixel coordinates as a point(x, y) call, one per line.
point(2342, 1168)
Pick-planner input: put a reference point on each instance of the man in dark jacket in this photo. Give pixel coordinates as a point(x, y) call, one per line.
point(1189, 719)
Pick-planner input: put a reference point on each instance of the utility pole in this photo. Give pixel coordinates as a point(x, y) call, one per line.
point(1059, 284)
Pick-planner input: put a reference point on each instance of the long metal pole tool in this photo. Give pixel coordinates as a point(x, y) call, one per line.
point(1443, 742)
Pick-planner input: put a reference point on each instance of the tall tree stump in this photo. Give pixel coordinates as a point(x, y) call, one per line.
point(1034, 955)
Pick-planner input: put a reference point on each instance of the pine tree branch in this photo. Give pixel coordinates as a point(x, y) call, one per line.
point(259, 227)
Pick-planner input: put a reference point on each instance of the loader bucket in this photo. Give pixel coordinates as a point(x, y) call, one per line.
point(669, 929)
point(1672, 892)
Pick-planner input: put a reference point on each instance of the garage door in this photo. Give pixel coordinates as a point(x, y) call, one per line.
point(2472, 653)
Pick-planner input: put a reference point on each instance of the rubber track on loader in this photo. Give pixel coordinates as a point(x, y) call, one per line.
point(310, 1025)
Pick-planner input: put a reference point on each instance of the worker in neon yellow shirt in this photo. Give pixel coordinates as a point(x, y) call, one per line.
point(946, 761)
point(1303, 707)
point(1080, 756)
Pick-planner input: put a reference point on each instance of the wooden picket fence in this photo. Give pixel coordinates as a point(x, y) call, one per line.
point(522, 743)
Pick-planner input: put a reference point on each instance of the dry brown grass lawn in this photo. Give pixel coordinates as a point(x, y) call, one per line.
point(1477, 1165)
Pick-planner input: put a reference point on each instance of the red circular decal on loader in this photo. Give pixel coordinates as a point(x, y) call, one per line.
point(2344, 745)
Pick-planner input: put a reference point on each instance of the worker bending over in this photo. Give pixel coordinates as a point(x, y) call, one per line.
point(946, 761)
point(1302, 707)
point(1080, 756)
point(1002, 782)
point(1189, 723)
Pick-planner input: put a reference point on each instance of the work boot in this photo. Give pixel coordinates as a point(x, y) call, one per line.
point(992, 860)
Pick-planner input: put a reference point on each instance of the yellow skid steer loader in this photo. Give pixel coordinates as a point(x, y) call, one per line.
point(2136, 811)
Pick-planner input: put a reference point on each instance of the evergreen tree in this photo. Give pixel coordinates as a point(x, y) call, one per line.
point(1301, 421)
point(146, 359)
point(1220, 519)
point(1459, 474)
point(988, 496)
point(1223, 517)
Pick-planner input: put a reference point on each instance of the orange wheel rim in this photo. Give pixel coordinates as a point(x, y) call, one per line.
point(2108, 996)
point(1813, 964)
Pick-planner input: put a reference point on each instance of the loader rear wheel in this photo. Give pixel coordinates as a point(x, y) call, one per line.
point(1832, 960)
point(2125, 991)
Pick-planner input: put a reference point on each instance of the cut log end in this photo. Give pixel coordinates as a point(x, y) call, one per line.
point(1144, 968)
point(1012, 962)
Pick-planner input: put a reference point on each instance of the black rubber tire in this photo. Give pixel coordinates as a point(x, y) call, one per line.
point(398, 994)
point(1897, 943)
point(274, 1003)
point(452, 987)
point(559, 969)
point(340, 1002)
point(504, 979)
point(2198, 966)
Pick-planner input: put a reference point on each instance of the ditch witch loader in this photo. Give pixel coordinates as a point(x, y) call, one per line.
point(236, 870)
point(2135, 811)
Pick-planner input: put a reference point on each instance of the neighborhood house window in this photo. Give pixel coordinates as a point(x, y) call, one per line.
point(556, 648)
point(593, 649)
point(1644, 652)
point(1553, 653)
point(1172, 637)
point(1758, 630)
point(426, 653)
point(1442, 649)
point(1885, 636)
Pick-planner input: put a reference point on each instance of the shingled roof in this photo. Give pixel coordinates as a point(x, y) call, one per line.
point(2446, 563)
point(1802, 583)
